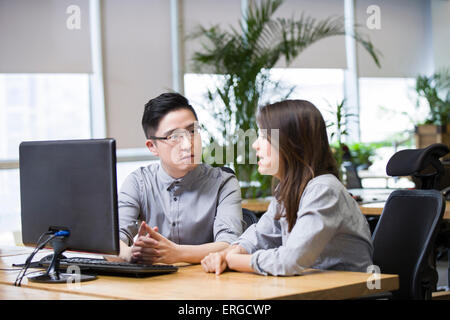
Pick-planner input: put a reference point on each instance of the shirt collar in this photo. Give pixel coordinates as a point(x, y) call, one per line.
point(168, 182)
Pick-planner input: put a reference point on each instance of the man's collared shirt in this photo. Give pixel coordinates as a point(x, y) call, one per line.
point(201, 207)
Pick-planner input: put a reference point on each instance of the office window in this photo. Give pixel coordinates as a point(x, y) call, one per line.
point(388, 113)
point(196, 88)
point(10, 201)
point(388, 108)
point(323, 87)
point(10, 198)
point(36, 107)
point(42, 107)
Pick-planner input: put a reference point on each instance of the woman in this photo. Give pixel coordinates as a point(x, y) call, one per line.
point(312, 222)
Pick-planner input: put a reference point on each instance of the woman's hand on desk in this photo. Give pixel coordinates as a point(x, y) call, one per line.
point(215, 262)
point(218, 261)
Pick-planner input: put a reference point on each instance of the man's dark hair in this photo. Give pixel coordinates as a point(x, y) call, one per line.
point(158, 107)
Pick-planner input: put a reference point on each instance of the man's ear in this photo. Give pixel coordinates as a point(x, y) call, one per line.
point(151, 145)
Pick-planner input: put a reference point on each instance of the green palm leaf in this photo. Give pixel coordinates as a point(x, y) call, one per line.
point(246, 54)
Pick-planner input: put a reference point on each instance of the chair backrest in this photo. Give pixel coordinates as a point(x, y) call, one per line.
point(412, 162)
point(403, 240)
point(248, 216)
point(353, 179)
point(229, 170)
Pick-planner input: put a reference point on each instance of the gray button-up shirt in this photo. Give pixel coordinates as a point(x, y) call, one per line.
point(201, 207)
point(330, 233)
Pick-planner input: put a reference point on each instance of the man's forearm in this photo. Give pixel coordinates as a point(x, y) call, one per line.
point(125, 251)
point(185, 253)
point(195, 253)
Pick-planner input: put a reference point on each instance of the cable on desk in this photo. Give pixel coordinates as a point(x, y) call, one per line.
point(16, 269)
point(39, 246)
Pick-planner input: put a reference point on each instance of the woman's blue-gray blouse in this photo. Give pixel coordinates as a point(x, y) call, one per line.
point(330, 233)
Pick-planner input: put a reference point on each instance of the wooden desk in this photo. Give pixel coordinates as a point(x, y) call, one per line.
point(191, 283)
point(14, 251)
point(256, 205)
point(376, 208)
point(10, 292)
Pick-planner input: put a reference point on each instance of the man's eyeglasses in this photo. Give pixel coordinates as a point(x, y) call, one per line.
point(177, 135)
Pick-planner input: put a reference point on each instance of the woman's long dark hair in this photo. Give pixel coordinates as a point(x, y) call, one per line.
point(303, 146)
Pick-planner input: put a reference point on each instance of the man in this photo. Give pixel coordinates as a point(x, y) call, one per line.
point(188, 209)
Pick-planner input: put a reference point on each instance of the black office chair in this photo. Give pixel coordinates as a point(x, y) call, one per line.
point(353, 179)
point(418, 163)
point(404, 240)
point(425, 168)
point(249, 218)
point(229, 170)
point(427, 171)
point(248, 215)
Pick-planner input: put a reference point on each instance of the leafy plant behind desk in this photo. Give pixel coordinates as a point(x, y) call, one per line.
point(436, 90)
point(338, 132)
point(244, 56)
point(363, 154)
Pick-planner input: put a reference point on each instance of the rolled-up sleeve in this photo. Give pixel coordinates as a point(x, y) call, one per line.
point(228, 221)
point(129, 208)
point(318, 220)
point(264, 234)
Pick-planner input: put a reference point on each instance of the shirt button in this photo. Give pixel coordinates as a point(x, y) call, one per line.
point(173, 224)
point(175, 199)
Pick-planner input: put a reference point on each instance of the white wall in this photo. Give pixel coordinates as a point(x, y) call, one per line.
point(403, 39)
point(136, 50)
point(207, 13)
point(137, 46)
point(34, 37)
point(326, 53)
point(440, 13)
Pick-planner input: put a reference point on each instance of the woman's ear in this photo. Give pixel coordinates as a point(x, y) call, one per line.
point(152, 147)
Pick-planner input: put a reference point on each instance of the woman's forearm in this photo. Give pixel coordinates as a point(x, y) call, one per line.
point(195, 253)
point(239, 262)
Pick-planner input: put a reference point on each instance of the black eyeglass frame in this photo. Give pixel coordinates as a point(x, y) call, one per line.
point(196, 128)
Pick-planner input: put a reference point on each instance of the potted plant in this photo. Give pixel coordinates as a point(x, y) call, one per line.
point(244, 56)
point(363, 154)
point(338, 128)
point(435, 89)
point(360, 155)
